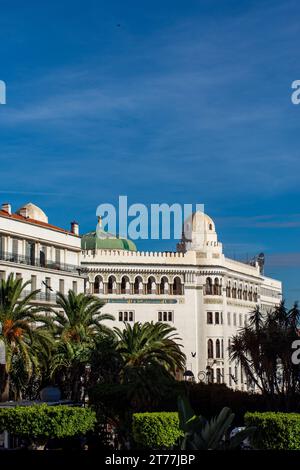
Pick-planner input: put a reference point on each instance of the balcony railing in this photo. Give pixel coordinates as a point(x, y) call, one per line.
point(41, 263)
point(41, 296)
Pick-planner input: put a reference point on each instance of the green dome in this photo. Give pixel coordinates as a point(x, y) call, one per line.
point(90, 241)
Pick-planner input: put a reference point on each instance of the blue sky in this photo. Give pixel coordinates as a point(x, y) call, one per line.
point(163, 101)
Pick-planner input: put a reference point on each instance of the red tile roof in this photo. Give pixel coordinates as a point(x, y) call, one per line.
point(21, 218)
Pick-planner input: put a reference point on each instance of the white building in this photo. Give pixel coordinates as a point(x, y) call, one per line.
point(205, 295)
point(39, 252)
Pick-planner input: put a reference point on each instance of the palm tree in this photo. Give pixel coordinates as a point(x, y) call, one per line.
point(80, 320)
point(148, 344)
point(77, 329)
point(151, 356)
point(263, 349)
point(23, 327)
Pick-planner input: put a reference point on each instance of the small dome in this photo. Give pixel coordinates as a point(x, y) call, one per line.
point(199, 220)
point(90, 241)
point(33, 212)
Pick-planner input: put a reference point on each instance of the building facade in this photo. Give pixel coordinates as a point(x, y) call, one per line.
point(36, 251)
point(204, 294)
point(196, 289)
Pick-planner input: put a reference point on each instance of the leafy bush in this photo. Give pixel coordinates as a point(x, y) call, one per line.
point(200, 434)
point(42, 422)
point(156, 430)
point(275, 430)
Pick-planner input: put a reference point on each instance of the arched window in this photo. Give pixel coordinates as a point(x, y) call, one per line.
point(125, 285)
point(177, 286)
point(218, 349)
point(208, 286)
point(234, 291)
point(240, 292)
point(210, 227)
point(245, 293)
point(250, 294)
point(111, 285)
point(217, 287)
point(218, 375)
point(151, 285)
point(210, 349)
point(228, 289)
point(138, 285)
point(98, 285)
point(222, 349)
point(164, 285)
point(255, 296)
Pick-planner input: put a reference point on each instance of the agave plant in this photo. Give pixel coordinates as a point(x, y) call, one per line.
point(201, 434)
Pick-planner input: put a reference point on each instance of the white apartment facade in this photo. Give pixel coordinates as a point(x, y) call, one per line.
point(36, 251)
point(204, 294)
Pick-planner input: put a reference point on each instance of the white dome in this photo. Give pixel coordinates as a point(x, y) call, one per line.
point(33, 212)
point(201, 220)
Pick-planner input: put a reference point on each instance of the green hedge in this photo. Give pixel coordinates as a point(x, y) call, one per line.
point(275, 430)
point(156, 430)
point(46, 421)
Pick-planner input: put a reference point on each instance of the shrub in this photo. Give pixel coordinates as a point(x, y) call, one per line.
point(42, 422)
point(275, 430)
point(156, 430)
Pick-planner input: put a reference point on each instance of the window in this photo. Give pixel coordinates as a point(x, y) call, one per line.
point(2, 246)
point(208, 286)
point(221, 317)
point(230, 377)
point(240, 319)
point(218, 371)
point(228, 289)
point(228, 318)
point(33, 283)
point(151, 286)
point(222, 349)
point(47, 287)
point(98, 285)
point(43, 256)
point(111, 285)
point(218, 349)
point(138, 285)
point(164, 286)
point(210, 349)
point(217, 287)
point(125, 285)
point(166, 316)
point(57, 255)
point(30, 252)
point(234, 319)
point(74, 287)
point(209, 318)
point(217, 318)
point(126, 316)
point(62, 286)
point(15, 246)
point(177, 286)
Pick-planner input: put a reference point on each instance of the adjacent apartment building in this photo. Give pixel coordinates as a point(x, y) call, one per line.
point(36, 251)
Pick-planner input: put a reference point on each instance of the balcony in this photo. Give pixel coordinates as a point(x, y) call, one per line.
point(40, 296)
point(37, 262)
